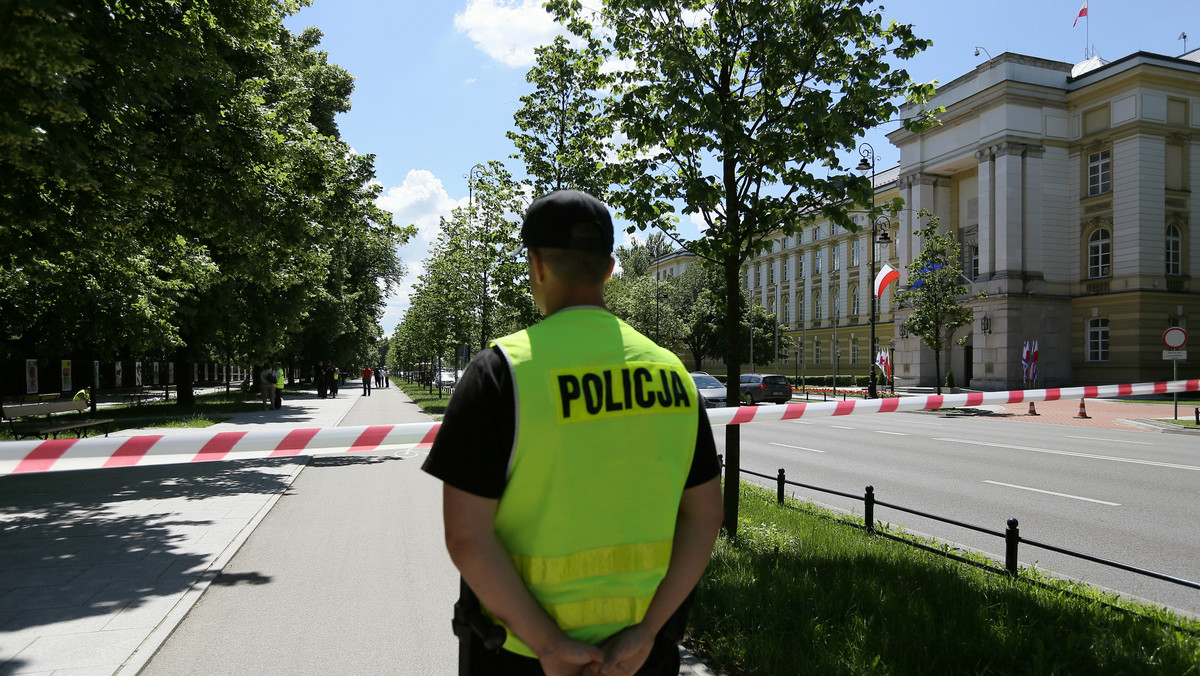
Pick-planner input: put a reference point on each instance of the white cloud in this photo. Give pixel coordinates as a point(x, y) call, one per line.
point(422, 200)
point(507, 30)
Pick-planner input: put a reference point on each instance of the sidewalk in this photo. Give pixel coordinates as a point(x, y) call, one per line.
point(98, 568)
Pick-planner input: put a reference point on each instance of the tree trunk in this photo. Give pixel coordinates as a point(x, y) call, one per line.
point(733, 390)
point(185, 394)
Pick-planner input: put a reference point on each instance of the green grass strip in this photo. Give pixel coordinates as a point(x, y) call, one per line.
point(800, 592)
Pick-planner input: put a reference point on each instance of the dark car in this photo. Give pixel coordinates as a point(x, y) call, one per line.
point(710, 389)
point(770, 387)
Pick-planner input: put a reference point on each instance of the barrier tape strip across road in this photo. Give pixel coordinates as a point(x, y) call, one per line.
point(57, 455)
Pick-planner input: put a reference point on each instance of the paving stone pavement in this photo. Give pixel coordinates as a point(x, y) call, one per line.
point(98, 567)
point(1102, 414)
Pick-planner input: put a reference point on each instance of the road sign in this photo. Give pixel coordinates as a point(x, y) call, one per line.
point(1175, 337)
point(1174, 354)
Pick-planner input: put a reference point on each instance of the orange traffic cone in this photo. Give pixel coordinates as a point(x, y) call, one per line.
point(1082, 411)
point(1032, 410)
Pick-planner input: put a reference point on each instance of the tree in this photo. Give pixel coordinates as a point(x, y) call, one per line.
point(565, 132)
point(739, 109)
point(172, 179)
point(935, 292)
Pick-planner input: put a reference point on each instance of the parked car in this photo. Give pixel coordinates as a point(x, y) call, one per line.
point(711, 390)
point(772, 387)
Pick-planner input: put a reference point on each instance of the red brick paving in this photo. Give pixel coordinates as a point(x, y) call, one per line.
point(1102, 413)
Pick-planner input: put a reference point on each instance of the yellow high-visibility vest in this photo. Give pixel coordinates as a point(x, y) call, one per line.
point(605, 435)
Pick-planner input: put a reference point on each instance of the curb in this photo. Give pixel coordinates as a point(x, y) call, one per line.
point(146, 651)
point(1160, 426)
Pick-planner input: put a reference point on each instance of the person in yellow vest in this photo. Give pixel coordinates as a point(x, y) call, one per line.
point(84, 395)
point(280, 380)
point(581, 492)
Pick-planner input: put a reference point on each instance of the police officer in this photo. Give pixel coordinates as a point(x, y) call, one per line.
point(581, 490)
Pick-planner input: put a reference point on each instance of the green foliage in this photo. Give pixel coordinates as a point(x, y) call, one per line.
point(565, 131)
point(936, 292)
point(740, 110)
point(173, 179)
point(950, 382)
point(473, 289)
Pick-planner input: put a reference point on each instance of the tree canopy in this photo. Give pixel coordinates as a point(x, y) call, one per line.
point(172, 180)
point(739, 110)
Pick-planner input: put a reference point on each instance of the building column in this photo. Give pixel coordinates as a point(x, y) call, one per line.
point(987, 214)
point(1009, 226)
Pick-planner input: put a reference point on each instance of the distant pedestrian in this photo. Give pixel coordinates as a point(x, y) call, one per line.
point(367, 373)
point(386, 380)
point(84, 395)
point(267, 381)
point(335, 379)
point(321, 378)
point(279, 380)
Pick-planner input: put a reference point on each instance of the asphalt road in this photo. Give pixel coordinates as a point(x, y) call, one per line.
point(344, 576)
point(1126, 496)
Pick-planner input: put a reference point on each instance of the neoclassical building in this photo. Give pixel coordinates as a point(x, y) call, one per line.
point(1071, 190)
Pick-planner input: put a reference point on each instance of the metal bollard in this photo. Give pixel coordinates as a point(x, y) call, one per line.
point(869, 509)
point(779, 488)
point(1012, 537)
point(1198, 417)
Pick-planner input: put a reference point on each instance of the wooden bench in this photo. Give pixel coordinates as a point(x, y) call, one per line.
point(40, 419)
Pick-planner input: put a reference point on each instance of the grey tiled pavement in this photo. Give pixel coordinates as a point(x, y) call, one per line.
point(98, 567)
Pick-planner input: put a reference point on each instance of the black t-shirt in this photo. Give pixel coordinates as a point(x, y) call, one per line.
point(476, 439)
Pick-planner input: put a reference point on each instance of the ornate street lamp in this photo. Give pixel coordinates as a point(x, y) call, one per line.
point(868, 164)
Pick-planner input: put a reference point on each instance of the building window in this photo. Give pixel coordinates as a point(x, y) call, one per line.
point(837, 257)
point(783, 268)
point(853, 351)
point(800, 266)
point(800, 307)
point(817, 305)
point(800, 353)
point(854, 254)
point(770, 272)
point(816, 352)
point(817, 262)
point(1099, 173)
point(1099, 254)
point(1097, 340)
point(854, 304)
point(783, 310)
point(1174, 251)
point(974, 267)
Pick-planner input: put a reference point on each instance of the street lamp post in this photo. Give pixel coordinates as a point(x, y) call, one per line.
point(868, 164)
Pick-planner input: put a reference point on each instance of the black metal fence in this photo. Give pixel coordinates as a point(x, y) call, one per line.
point(1011, 535)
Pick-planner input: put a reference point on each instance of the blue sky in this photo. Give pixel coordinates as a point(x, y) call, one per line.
point(437, 83)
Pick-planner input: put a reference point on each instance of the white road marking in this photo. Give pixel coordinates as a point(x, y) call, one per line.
point(1061, 495)
point(800, 422)
point(1072, 454)
point(798, 448)
point(843, 427)
point(1142, 443)
point(899, 434)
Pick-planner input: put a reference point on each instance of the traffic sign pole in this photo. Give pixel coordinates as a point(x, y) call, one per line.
point(1175, 338)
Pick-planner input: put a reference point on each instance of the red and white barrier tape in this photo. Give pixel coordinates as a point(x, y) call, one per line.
point(56, 455)
point(746, 414)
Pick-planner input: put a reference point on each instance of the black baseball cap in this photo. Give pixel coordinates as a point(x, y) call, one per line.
point(568, 219)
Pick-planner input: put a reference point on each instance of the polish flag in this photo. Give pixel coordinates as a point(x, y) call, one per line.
point(887, 275)
point(1082, 13)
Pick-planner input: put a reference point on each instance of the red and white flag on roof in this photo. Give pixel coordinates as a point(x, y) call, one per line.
point(1082, 13)
point(887, 275)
